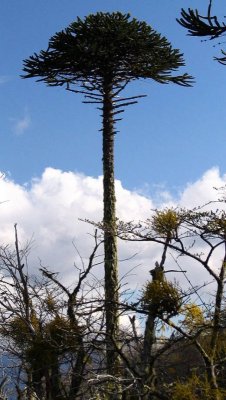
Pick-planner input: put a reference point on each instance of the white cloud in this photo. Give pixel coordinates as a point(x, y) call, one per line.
point(50, 207)
point(22, 124)
point(204, 189)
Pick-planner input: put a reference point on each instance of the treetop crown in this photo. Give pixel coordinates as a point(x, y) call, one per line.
point(106, 47)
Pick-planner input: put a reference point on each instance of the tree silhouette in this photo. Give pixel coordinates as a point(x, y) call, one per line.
point(98, 57)
point(207, 26)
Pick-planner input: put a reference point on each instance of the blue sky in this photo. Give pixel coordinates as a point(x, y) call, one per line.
point(170, 138)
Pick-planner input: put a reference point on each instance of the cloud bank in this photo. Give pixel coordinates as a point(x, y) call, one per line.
point(49, 210)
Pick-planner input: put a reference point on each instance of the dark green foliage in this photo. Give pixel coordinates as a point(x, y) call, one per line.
point(161, 297)
point(198, 25)
point(207, 26)
point(106, 44)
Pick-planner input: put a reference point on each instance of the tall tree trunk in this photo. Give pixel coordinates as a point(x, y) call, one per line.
point(77, 371)
point(212, 378)
point(211, 370)
point(55, 387)
point(147, 356)
point(79, 364)
point(110, 241)
point(147, 360)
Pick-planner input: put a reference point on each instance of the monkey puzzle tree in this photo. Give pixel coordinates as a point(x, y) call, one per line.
point(98, 57)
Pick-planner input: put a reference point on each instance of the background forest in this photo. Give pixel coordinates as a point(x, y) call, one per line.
point(137, 310)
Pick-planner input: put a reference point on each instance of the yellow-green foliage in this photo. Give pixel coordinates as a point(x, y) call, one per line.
point(196, 388)
point(194, 320)
point(45, 342)
point(18, 329)
point(161, 297)
point(217, 225)
point(62, 333)
point(55, 337)
point(193, 316)
point(165, 222)
point(51, 303)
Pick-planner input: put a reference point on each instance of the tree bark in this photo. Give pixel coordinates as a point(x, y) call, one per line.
point(211, 370)
point(79, 364)
point(148, 371)
point(109, 219)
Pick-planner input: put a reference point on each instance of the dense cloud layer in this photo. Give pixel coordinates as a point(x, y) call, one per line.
point(50, 208)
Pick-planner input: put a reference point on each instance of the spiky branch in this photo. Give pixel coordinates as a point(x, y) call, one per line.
point(203, 26)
